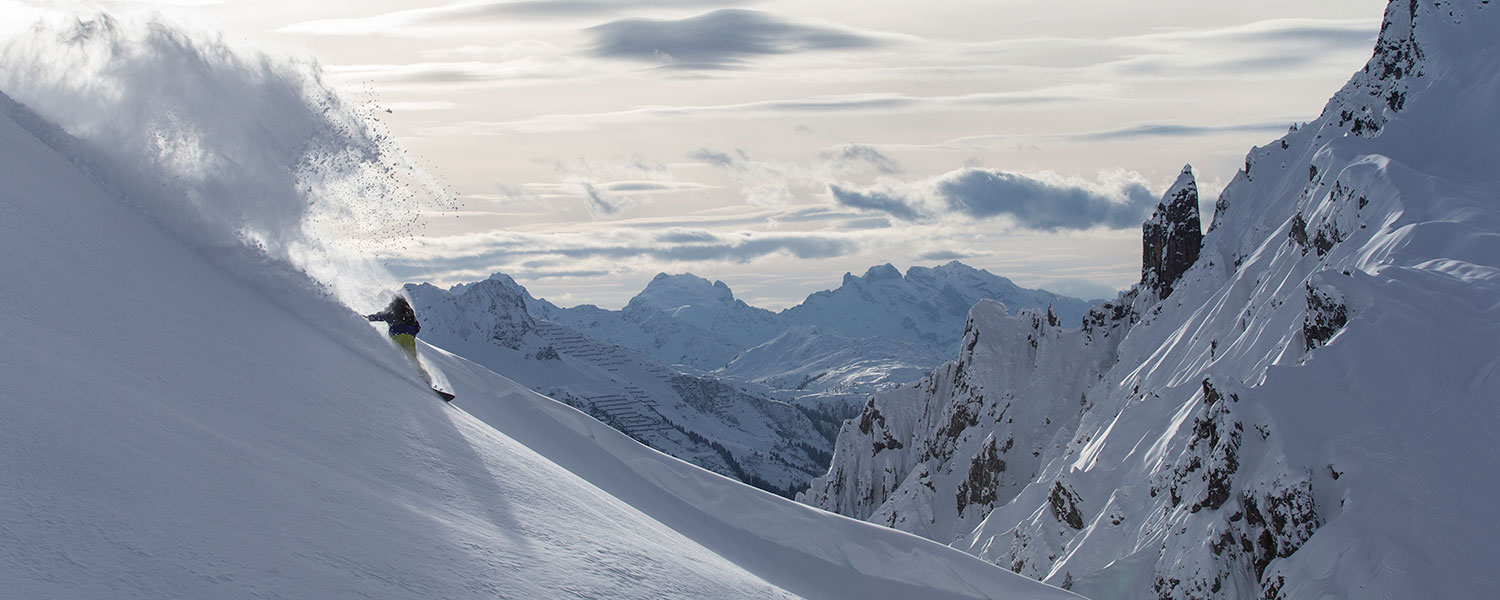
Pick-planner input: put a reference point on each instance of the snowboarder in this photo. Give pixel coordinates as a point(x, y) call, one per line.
point(403, 330)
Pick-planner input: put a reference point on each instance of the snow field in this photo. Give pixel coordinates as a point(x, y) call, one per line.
point(187, 421)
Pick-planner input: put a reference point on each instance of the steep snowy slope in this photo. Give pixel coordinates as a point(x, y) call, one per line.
point(1304, 410)
point(196, 421)
point(771, 444)
point(926, 306)
point(173, 430)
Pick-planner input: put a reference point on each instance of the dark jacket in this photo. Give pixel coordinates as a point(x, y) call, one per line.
point(400, 316)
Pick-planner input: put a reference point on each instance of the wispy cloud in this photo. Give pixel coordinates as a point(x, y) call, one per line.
point(425, 76)
point(1046, 202)
point(942, 255)
point(861, 154)
point(717, 159)
point(720, 39)
point(672, 245)
point(1275, 45)
point(566, 8)
point(467, 15)
point(628, 187)
point(417, 105)
point(1176, 130)
point(598, 203)
point(848, 103)
point(1137, 131)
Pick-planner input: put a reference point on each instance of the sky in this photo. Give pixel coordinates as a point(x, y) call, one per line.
point(775, 145)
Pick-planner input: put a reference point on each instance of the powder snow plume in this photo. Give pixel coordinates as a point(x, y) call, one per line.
point(227, 145)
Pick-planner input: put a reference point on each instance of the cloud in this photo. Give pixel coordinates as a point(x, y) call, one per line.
point(561, 8)
point(441, 20)
point(1176, 130)
point(942, 255)
point(416, 105)
point(1047, 203)
point(474, 74)
point(562, 274)
point(859, 153)
point(841, 104)
point(627, 187)
point(687, 236)
point(603, 247)
point(720, 39)
point(1270, 46)
point(1144, 130)
point(896, 204)
point(717, 159)
point(597, 202)
point(1330, 32)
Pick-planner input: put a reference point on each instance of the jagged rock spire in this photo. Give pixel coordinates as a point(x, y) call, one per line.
point(1172, 237)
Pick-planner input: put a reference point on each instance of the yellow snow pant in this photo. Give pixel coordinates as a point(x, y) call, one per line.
point(408, 343)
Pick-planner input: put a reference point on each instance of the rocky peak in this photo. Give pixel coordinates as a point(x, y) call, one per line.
point(1380, 89)
point(1172, 237)
point(882, 272)
point(494, 309)
point(673, 292)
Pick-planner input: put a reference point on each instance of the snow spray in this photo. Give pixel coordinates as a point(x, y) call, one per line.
point(228, 145)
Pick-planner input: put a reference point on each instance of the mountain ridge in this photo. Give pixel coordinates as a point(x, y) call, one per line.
point(723, 326)
point(1292, 418)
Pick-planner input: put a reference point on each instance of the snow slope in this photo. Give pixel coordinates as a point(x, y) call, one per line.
point(1309, 414)
point(185, 420)
point(174, 430)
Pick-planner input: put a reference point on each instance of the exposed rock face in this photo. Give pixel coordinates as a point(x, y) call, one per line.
point(1326, 315)
point(935, 457)
point(1381, 89)
point(1172, 237)
point(1064, 504)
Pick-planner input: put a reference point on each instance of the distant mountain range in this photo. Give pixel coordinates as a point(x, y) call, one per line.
point(690, 370)
point(688, 320)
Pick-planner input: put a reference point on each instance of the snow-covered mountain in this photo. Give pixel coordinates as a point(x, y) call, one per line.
point(185, 416)
point(677, 319)
point(708, 306)
point(1298, 405)
point(713, 424)
point(909, 321)
point(826, 369)
point(925, 306)
point(766, 413)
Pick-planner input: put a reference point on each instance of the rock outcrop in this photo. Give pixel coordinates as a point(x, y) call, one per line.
point(1172, 237)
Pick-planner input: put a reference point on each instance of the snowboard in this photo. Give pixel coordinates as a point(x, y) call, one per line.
point(447, 397)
